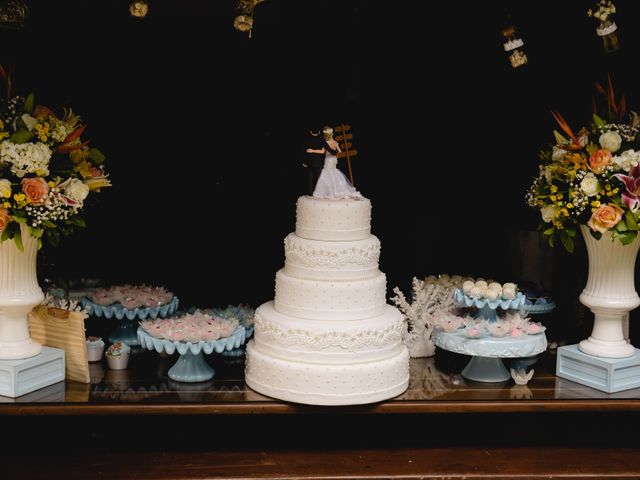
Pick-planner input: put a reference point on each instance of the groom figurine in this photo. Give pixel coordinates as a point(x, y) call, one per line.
point(315, 157)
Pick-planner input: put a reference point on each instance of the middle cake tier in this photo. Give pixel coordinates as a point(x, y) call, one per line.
point(330, 300)
point(321, 260)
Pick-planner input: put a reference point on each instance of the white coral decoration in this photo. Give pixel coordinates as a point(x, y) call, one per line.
point(428, 297)
point(26, 158)
point(65, 304)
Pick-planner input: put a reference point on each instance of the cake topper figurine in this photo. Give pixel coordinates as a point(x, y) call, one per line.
point(332, 183)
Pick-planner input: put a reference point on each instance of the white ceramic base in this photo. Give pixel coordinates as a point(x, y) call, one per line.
point(610, 294)
point(19, 350)
point(606, 374)
point(19, 293)
point(18, 377)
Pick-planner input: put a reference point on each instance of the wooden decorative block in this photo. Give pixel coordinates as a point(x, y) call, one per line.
point(605, 374)
point(19, 377)
point(59, 328)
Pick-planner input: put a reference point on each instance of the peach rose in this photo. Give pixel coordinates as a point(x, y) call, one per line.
point(5, 218)
point(35, 189)
point(600, 159)
point(605, 217)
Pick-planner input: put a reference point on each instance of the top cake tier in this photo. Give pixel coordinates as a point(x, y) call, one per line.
point(333, 220)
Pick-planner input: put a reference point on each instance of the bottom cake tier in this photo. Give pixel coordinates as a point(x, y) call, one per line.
point(317, 384)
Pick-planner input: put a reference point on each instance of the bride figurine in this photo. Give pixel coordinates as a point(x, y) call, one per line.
point(332, 183)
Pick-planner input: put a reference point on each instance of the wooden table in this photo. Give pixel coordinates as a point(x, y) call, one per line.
point(140, 424)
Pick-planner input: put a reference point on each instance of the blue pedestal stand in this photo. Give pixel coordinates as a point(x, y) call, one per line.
point(608, 375)
point(487, 351)
point(127, 331)
point(192, 366)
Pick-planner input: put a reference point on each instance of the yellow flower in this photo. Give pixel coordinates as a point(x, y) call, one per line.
point(552, 198)
point(558, 225)
point(42, 131)
point(569, 205)
point(559, 196)
point(79, 155)
point(84, 169)
point(19, 197)
point(564, 212)
point(6, 204)
point(595, 203)
point(4, 135)
point(554, 189)
point(51, 184)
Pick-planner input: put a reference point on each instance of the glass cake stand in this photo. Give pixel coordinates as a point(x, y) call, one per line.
point(192, 366)
point(126, 332)
point(487, 351)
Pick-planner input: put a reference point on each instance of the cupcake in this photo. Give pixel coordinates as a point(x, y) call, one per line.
point(118, 356)
point(95, 347)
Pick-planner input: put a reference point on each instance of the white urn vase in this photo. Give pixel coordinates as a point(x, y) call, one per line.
point(610, 294)
point(19, 293)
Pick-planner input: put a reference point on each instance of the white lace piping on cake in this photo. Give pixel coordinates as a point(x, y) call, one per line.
point(350, 341)
point(354, 256)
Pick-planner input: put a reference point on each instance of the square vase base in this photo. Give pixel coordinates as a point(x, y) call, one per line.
point(18, 377)
point(605, 374)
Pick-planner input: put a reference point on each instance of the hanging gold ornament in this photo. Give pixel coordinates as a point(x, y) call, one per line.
point(243, 22)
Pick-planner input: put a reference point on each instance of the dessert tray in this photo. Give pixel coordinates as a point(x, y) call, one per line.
point(485, 348)
point(126, 330)
point(192, 366)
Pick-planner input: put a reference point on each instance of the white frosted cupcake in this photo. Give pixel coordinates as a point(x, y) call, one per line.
point(95, 348)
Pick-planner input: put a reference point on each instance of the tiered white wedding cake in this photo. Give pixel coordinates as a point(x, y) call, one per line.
point(329, 338)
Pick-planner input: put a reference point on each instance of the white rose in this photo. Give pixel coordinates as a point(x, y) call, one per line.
point(590, 185)
point(5, 188)
point(76, 190)
point(611, 141)
point(549, 213)
point(558, 154)
point(627, 159)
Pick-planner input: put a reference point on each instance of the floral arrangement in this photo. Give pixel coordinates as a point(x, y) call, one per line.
point(46, 170)
point(591, 177)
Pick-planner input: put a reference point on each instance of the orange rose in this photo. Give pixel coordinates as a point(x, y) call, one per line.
point(600, 159)
point(35, 189)
point(605, 217)
point(5, 218)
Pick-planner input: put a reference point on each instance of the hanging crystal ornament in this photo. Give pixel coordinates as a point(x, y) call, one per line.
point(243, 22)
point(13, 14)
point(513, 47)
point(139, 8)
point(606, 28)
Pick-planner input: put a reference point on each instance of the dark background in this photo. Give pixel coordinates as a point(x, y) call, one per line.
point(204, 129)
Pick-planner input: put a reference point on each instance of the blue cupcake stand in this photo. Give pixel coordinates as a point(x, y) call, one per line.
point(192, 366)
point(487, 351)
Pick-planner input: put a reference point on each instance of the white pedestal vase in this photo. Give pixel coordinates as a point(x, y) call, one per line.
point(610, 294)
point(19, 293)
